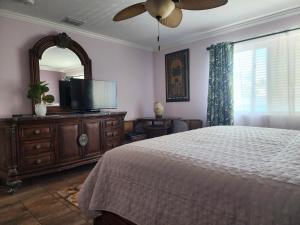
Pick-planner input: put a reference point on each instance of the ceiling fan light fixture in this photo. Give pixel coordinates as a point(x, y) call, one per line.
point(160, 8)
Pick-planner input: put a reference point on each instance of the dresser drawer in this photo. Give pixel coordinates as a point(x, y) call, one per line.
point(37, 147)
point(112, 133)
point(113, 143)
point(35, 132)
point(38, 161)
point(112, 122)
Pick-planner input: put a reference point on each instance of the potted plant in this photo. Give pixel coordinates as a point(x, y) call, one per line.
point(37, 93)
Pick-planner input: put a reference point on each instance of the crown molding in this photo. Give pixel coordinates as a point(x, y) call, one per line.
point(67, 28)
point(198, 36)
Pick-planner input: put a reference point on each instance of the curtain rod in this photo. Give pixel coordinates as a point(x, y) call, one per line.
point(262, 36)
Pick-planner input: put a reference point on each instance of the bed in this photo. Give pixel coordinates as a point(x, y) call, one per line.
point(226, 175)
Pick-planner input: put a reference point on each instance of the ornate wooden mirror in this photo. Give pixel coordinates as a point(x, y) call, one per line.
point(58, 57)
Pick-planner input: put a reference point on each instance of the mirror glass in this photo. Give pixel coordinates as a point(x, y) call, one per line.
point(59, 64)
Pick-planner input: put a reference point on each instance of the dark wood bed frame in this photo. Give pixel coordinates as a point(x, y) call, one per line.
point(108, 218)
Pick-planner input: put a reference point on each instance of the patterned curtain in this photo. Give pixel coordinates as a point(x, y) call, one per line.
point(220, 89)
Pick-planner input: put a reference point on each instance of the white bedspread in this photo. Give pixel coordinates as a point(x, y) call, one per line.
point(210, 176)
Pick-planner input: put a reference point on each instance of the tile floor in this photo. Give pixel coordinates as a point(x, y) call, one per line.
point(36, 202)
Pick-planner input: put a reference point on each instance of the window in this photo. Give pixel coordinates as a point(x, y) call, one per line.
point(267, 75)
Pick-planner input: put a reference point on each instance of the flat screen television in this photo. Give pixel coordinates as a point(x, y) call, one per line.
point(93, 95)
point(64, 94)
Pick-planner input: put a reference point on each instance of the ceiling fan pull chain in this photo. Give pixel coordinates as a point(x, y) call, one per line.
point(158, 36)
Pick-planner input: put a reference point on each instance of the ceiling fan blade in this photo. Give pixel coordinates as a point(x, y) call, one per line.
point(130, 11)
point(200, 4)
point(173, 20)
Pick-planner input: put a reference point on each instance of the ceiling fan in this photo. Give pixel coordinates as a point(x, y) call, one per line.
point(167, 12)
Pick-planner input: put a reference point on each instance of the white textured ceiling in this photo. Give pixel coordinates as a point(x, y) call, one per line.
point(142, 29)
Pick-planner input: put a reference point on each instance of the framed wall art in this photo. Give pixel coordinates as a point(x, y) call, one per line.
point(177, 76)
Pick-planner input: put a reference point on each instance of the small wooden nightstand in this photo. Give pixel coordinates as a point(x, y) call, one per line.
point(155, 127)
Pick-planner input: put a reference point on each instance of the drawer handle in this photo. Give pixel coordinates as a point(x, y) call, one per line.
point(37, 131)
point(111, 145)
point(38, 161)
point(109, 134)
point(111, 123)
point(38, 146)
point(115, 134)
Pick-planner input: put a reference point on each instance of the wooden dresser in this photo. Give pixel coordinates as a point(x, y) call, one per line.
point(31, 146)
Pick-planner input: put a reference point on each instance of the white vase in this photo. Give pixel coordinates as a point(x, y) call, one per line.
point(40, 109)
point(158, 109)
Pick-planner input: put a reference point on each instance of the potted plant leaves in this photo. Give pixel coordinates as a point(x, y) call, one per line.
point(37, 93)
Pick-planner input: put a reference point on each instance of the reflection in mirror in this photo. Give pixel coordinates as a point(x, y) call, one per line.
point(59, 64)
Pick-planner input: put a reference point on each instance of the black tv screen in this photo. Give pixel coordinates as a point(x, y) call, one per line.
point(92, 95)
point(64, 94)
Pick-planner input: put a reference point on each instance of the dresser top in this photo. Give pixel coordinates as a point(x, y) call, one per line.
point(27, 117)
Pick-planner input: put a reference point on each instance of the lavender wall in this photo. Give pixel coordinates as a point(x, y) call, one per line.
point(140, 75)
point(132, 68)
point(199, 68)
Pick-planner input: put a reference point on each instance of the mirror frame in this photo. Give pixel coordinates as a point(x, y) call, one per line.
point(61, 40)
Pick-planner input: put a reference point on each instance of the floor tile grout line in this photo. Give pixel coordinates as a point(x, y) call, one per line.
point(27, 210)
